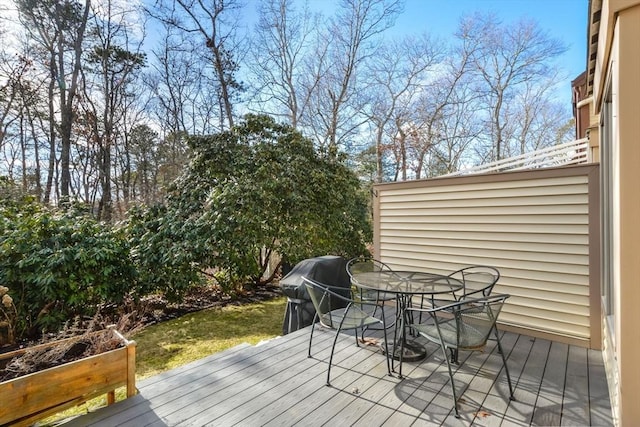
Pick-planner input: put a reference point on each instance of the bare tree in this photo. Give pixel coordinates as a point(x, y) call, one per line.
point(112, 61)
point(283, 39)
point(29, 121)
point(398, 75)
point(215, 23)
point(143, 150)
point(22, 98)
point(538, 117)
point(12, 70)
point(14, 98)
point(506, 58)
point(440, 103)
point(168, 82)
point(58, 27)
point(184, 95)
point(349, 41)
point(459, 129)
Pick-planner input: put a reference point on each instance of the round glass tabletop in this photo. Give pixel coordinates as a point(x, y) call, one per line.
point(406, 282)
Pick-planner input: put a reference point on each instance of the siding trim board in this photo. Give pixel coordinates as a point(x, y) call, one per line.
point(540, 228)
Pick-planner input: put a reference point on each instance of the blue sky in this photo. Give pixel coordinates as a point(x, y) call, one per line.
point(565, 20)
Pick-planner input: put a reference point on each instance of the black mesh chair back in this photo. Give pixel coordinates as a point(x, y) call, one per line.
point(478, 280)
point(364, 265)
point(367, 265)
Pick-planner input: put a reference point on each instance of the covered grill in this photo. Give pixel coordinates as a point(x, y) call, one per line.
point(328, 269)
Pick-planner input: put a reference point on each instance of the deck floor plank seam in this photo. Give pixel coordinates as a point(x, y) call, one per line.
point(301, 389)
point(496, 402)
point(485, 380)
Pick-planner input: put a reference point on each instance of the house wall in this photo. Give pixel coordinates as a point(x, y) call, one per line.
point(618, 67)
point(581, 102)
point(593, 133)
point(539, 228)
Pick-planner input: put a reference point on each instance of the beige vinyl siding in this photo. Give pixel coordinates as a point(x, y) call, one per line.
point(535, 230)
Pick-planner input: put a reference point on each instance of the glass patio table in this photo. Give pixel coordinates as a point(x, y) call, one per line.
point(405, 285)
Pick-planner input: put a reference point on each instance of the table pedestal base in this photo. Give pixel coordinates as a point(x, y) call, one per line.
point(413, 351)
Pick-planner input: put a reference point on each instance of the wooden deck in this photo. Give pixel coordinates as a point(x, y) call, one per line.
point(275, 384)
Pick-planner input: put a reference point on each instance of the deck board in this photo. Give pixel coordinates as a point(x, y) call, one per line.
point(496, 388)
point(575, 403)
point(219, 397)
point(520, 412)
point(318, 395)
point(549, 404)
point(276, 384)
point(254, 393)
point(599, 402)
point(296, 388)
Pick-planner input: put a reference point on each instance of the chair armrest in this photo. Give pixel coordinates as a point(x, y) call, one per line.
point(459, 304)
point(331, 291)
point(478, 291)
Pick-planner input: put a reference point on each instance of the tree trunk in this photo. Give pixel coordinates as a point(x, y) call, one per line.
point(52, 139)
point(67, 99)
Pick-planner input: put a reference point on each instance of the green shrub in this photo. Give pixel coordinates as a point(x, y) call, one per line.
point(163, 258)
point(59, 264)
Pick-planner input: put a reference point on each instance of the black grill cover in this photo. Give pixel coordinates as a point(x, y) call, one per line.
point(329, 270)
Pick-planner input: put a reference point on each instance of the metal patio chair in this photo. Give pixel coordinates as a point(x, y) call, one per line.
point(463, 325)
point(362, 265)
point(477, 281)
point(336, 311)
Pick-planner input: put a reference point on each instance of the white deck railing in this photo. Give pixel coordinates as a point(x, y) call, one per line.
point(569, 153)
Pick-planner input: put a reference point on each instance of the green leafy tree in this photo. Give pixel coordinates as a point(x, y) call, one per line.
point(260, 193)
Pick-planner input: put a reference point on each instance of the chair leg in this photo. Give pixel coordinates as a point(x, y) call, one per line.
point(504, 362)
point(381, 305)
point(402, 341)
point(313, 324)
point(454, 356)
point(386, 343)
point(375, 308)
point(409, 318)
point(453, 386)
point(394, 342)
point(335, 340)
point(333, 347)
point(362, 308)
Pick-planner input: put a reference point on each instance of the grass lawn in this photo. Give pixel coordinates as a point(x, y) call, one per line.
point(179, 341)
point(194, 336)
